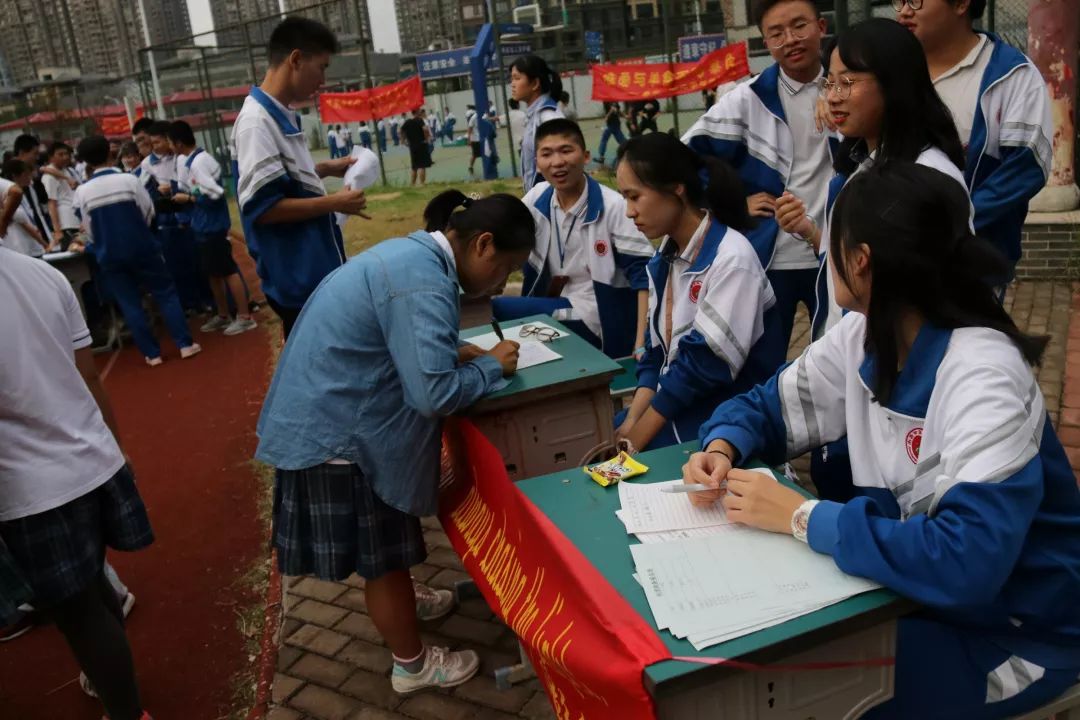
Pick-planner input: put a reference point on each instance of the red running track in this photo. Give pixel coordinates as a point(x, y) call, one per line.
point(189, 428)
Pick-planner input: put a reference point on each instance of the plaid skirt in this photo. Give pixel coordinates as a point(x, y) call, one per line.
point(56, 553)
point(328, 522)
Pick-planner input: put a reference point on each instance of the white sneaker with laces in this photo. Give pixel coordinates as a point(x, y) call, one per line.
point(442, 669)
point(240, 325)
point(432, 604)
point(215, 323)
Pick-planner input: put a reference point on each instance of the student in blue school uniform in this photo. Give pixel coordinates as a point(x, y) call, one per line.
point(394, 124)
point(1000, 104)
point(352, 419)
point(332, 141)
point(287, 216)
point(964, 498)
point(199, 184)
point(173, 222)
point(365, 135)
point(879, 88)
point(538, 88)
point(588, 268)
point(712, 331)
point(766, 129)
point(380, 127)
point(117, 213)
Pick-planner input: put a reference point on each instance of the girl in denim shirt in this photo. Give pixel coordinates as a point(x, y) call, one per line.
point(353, 417)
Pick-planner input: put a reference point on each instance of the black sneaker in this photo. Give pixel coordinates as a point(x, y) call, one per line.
point(24, 624)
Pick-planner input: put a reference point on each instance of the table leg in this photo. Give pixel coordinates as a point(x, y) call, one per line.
point(508, 676)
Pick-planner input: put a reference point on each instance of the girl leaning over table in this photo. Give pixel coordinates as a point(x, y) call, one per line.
point(711, 329)
point(964, 498)
point(353, 417)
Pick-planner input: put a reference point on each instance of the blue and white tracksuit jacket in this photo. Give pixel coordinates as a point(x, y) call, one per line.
point(616, 261)
point(291, 258)
point(117, 213)
point(965, 498)
point(201, 174)
point(726, 335)
point(747, 128)
point(1008, 153)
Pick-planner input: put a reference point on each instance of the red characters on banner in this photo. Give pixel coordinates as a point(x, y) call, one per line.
point(588, 646)
point(373, 104)
point(644, 81)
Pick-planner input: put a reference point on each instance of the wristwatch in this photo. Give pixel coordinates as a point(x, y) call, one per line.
point(800, 519)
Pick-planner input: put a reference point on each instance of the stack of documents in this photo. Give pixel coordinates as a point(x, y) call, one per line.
point(709, 581)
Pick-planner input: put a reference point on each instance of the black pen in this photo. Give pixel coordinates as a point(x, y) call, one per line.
point(497, 329)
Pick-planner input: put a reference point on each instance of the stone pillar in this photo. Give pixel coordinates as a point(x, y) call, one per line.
point(1053, 41)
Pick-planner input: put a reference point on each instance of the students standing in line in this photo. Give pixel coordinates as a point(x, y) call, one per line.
point(61, 193)
point(352, 421)
point(117, 214)
point(766, 129)
point(964, 500)
point(199, 181)
point(67, 492)
point(879, 90)
point(713, 331)
point(287, 216)
point(588, 268)
point(536, 85)
point(999, 102)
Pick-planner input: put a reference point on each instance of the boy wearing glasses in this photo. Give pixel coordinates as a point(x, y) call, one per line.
point(785, 151)
point(999, 102)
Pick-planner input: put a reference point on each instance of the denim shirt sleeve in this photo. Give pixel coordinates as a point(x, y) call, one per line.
point(421, 329)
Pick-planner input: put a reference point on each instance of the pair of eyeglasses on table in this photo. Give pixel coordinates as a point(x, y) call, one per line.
point(539, 332)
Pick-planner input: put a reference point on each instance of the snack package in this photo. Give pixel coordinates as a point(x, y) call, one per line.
point(620, 467)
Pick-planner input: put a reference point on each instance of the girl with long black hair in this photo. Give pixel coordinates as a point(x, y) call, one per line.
point(535, 85)
point(711, 329)
point(964, 500)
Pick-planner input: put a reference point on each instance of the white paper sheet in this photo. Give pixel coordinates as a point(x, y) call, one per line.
point(714, 588)
point(646, 509)
point(530, 353)
point(361, 175)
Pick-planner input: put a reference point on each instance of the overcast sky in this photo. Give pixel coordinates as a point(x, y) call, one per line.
point(383, 20)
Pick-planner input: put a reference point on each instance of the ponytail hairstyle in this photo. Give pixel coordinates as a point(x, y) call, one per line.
point(923, 256)
point(535, 67)
point(914, 117)
point(504, 216)
point(662, 162)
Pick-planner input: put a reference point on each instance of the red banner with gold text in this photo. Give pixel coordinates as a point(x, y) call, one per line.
point(374, 104)
point(659, 80)
point(115, 125)
point(589, 647)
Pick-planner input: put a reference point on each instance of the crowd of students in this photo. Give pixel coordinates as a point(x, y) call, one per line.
point(881, 182)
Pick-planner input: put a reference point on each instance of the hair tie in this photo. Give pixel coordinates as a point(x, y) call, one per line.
point(466, 202)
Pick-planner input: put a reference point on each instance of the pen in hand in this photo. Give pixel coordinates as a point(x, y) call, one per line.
point(497, 329)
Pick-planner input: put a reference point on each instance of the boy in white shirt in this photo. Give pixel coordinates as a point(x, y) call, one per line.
point(61, 195)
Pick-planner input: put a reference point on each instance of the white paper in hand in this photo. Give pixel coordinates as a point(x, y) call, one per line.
point(361, 175)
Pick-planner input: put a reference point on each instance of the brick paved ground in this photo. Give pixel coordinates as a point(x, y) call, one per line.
point(333, 666)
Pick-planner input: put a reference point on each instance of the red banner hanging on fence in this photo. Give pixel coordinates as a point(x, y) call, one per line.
point(662, 80)
point(373, 104)
point(589, 647)
point(115, 125)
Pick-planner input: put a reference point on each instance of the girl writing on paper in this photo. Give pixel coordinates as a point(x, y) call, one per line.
point(964, 498)
point(353, 416)
point(711, 331)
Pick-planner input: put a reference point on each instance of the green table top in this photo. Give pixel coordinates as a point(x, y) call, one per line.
point(585, 512)
point(580, 360)
point(628, 380)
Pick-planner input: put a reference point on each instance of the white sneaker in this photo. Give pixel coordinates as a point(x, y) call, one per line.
point(442, 669)
point(432, 604)
point(192, 349)
point(154, 361)
point(240, 325)
point(215, 323)
point(84, 683)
